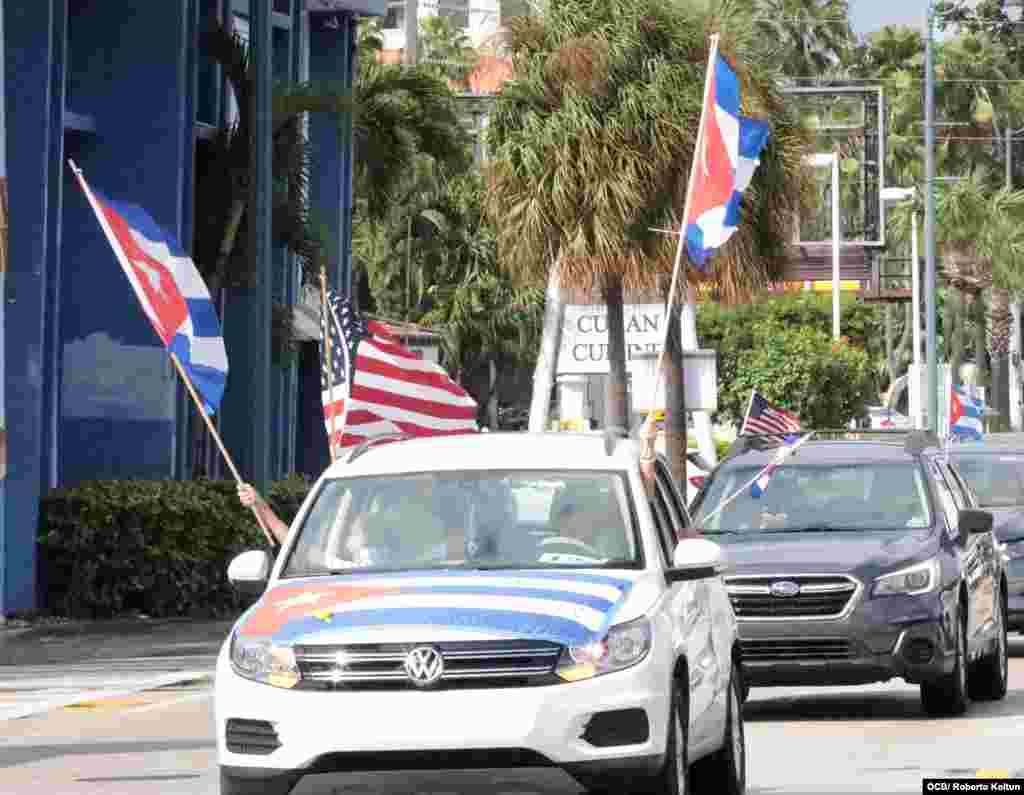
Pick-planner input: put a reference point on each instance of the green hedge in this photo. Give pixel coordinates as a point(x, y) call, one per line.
point(159, 547)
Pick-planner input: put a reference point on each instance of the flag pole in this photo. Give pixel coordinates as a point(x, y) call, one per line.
point(750, 405)
point(329, 362)
point(697, 159)
point(216, 436)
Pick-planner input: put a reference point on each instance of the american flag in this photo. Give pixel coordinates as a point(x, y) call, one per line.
point(379, 387)
point(763, 417)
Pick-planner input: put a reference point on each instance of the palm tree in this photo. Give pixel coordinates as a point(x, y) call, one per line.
point(980, 232)
point(804, 38)
point(593, 141)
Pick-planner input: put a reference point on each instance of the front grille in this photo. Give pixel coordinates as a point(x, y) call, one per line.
point(819, 596)
point(467, 664)
point(251, 737)
point(790, 649)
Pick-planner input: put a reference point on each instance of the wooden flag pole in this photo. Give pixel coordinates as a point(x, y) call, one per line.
point(328, 361)
point(697, 162)
point(750, 405)
point(213, 432)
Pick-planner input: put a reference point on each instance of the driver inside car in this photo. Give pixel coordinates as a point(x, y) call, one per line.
point(596, 527)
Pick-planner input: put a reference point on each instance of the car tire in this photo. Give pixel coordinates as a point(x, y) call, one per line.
point(725, 771)
point(948, 696)
point(673, 779)
point(281, 784)
point(988, 677)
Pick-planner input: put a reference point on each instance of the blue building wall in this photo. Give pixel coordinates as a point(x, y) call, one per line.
point(120, 87)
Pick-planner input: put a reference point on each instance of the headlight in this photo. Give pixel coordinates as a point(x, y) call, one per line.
point(917, 579)
point(262, 661)
point(624, 645)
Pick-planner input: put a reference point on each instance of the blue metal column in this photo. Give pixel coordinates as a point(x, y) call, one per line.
point(331, 47)
point(30, 30)
point(259, 308)
point(3, 302)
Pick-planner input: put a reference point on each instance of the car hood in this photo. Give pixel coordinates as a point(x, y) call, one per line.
point(566, 607)
point(839, 552)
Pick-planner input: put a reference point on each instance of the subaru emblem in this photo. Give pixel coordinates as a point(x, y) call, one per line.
point(424, 666)
point(784, 588)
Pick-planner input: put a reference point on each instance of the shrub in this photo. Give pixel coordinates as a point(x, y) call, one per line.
point(161, 547)
point(824, 382)
point(736, 332)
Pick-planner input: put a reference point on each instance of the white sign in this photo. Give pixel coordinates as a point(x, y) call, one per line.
point(700, 382)
point(584, 347)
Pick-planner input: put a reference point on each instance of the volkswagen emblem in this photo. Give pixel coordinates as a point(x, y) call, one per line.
point(424, 666)
point(784, 588)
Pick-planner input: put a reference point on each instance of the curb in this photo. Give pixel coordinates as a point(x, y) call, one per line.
point(84, 697)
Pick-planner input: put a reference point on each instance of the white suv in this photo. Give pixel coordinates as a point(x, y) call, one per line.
point(485, 601)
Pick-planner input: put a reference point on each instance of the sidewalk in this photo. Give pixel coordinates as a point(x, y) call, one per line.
point(48, 666)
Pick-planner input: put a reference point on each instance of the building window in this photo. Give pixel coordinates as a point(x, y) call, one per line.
point(394, 19)
point(455, 10)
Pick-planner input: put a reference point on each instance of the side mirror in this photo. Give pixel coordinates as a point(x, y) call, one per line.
point(248, 573)
point(974, 522)
point(695, 559)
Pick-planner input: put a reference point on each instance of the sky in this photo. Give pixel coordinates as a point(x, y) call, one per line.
point(870, 15)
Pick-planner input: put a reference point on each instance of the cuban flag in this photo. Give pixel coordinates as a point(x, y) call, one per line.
point(730, 145)
point(965, 413)
point(170, 290)
point(758, 487)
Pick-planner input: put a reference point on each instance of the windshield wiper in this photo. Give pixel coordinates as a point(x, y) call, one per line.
point(815, 528)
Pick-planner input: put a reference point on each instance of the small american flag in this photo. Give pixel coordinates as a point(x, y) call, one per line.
point(763, 417)
point(380, 387)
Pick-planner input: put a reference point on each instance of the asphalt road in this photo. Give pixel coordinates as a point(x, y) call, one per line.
point(828, 741)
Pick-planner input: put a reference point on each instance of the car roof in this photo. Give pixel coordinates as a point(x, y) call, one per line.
point(818, 452)
point(514, 450)
point(992, 443)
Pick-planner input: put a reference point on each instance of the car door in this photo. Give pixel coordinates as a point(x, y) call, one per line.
point(692, 615)
point(981, 563)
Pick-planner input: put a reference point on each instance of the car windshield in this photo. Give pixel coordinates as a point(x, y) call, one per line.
point(493, 520)
point(998, 480)
point(821, 498)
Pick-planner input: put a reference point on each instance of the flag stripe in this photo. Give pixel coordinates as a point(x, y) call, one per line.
point(432, 378)
point(394, 381)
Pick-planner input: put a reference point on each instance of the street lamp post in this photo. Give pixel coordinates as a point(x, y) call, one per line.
point(929, 223)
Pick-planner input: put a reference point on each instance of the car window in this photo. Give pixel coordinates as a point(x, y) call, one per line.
point(997, 480)
point(498, 519)
point(860, 496)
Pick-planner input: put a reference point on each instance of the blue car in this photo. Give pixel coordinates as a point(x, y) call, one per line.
point(860, 561)
point(994, 469)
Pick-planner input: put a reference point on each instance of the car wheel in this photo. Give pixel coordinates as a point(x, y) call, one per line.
point(988, 677)
point(725, 771)
point(674, 776)
point(948, 696)
point(276, 785)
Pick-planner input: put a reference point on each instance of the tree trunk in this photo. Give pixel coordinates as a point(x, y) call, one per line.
point(547, 360)
point(905, 347)
point(955, 332)
point(979, 340)
point(675, 401)
point(1000, 324)
point(616, 408)
point(492, 396)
